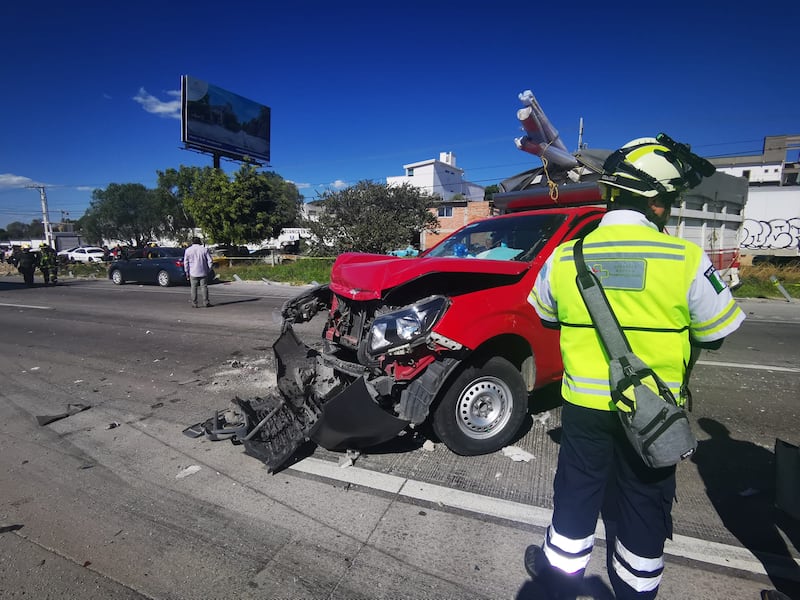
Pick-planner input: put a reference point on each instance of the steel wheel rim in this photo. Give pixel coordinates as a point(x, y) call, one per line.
point(484, 407)
point(116, 277)
point(163, 278)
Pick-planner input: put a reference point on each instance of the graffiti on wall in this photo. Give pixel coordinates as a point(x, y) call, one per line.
point(775, 234)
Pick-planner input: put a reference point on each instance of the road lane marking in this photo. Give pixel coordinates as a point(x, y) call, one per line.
point(712, 363)
point(27, 306)
point(695, 549)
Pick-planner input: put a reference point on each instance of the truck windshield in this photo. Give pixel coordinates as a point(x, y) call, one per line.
point(516, 237)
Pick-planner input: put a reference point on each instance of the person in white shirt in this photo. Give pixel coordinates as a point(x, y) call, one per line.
point(197, 265)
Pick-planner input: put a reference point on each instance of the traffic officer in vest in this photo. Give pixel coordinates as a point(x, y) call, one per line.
point(671, 302)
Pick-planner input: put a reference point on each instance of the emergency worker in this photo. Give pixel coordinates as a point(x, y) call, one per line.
point(26, 263)
point(48, 264)
point(671, 303)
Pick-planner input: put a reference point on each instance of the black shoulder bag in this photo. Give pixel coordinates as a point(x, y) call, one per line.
point(656, 426)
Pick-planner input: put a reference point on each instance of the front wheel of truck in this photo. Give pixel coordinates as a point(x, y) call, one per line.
point(482, 409)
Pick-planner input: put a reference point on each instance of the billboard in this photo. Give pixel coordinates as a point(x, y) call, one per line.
point(223, 123)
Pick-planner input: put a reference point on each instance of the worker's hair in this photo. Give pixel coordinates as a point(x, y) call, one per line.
point(196, 240)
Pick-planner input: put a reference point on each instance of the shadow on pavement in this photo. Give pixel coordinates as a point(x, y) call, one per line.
point(739, 477)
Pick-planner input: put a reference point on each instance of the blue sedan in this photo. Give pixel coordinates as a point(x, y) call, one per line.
point(161, 265)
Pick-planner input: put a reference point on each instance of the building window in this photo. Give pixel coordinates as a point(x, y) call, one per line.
point(445, 211)
point(409, 172)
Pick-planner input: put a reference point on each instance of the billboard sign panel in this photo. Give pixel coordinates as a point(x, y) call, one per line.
point(221, 122)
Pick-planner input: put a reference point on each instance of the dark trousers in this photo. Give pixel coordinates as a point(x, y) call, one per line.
point(49, 273)
point(27, 274)
point(598, 469)
point(202, 284)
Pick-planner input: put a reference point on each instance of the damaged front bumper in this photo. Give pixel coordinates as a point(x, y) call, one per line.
point(312, 403)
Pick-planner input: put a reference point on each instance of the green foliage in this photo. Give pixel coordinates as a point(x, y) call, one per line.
point(247, 209)
point(297, 272)
point(128, 212)
point(490, 191)
point(371, 217)
point(23, 231)
point(756, 281)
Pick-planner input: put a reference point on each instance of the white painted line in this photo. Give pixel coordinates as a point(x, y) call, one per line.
point(495, 507)
point(714, 553)
point(712, 363)
point(702, 551)
point(363, 477)
point(27, 306)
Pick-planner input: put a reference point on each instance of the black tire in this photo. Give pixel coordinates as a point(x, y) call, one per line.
point(482, 409)
point(116, 277)
point(163, 279)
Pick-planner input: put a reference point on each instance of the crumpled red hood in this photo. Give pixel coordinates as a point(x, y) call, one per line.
point(366, 276)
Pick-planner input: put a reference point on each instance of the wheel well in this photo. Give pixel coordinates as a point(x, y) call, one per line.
point(514, 349)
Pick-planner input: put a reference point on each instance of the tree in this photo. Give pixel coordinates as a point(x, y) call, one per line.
point(490, 191)
point(248, 209)
point(17, 230)
point(128, 212)
point(372, 217)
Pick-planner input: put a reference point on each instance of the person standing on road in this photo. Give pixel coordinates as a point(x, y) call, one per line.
point(197, 264)
point(26, 263)
point(48, 264)
point(671, 303)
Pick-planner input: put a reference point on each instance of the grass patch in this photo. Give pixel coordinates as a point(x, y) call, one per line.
point(296, 272)
point(757, 283)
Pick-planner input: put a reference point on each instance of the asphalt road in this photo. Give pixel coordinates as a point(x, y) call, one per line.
point(113, 502)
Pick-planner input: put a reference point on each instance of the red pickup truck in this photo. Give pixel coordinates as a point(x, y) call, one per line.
point(446, 340)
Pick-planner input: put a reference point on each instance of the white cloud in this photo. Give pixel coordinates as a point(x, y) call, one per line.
point(170, 109)
point(10, 181)
point(300, 186)
point(339, 184)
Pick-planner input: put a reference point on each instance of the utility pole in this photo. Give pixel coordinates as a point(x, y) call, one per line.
point(48, 232)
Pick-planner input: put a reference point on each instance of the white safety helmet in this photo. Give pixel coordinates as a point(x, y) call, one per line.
point(655, 166)
point(645, 168)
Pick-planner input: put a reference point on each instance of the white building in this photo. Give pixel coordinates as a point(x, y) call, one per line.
point(772, 212)
point(439, 177)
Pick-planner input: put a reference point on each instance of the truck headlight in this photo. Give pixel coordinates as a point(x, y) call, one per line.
point(406, 325)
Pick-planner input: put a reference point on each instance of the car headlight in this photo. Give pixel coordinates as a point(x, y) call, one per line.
point(404, 326)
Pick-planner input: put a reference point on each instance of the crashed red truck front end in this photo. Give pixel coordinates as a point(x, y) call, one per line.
point(445, 342)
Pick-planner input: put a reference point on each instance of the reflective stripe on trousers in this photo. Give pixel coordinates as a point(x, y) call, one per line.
point(640, 573)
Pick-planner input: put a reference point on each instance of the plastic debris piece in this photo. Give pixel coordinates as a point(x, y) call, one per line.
point(188, 471)
point(113, 425)
point(542, 418)
point(429, 446)
point(517, 454)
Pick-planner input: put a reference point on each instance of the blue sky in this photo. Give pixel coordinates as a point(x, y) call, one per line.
point(90, 91)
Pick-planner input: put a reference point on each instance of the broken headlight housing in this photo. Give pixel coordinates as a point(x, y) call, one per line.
point(401, 328)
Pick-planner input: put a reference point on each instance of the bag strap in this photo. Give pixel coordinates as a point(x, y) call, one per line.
point(600, 311)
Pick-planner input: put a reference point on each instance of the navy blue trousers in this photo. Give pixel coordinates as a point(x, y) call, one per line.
point(598, 470)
